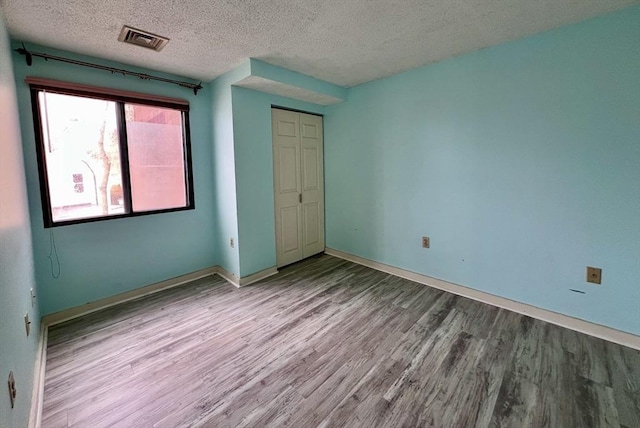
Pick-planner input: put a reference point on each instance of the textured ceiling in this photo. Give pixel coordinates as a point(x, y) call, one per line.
point(345, 42)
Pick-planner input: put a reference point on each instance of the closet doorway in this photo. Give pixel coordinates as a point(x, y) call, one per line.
point(299, 185)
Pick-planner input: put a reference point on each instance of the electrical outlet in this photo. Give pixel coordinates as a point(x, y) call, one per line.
point(232, 244)
point(33, 298)
point(594, 275)
point(425, 242)
point(12, 389)
point(27, 324)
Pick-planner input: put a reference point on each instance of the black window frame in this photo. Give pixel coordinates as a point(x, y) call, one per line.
point(120, 98)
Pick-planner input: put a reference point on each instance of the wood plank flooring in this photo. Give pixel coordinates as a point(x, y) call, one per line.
point(329, 343)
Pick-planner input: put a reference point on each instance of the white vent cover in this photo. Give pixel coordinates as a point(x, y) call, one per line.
point(142, 38)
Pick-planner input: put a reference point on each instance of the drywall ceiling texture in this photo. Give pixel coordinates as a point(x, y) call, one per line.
point(342, 42)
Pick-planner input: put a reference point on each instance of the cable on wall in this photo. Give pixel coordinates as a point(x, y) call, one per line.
point(30, 54)
point(53, 254)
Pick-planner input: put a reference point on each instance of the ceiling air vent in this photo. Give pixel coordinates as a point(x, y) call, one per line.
point(142, 38)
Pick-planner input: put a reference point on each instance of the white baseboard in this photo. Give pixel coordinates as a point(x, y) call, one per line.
point(67, 314)
point(246, 280)
point(37, 395)
point(582, 326)
point(230, 277)
point(258, 276)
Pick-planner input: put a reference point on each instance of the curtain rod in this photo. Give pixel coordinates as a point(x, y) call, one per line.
point(30, 54)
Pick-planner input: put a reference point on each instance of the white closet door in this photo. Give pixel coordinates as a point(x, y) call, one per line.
point(298, 183)
point(312, 184)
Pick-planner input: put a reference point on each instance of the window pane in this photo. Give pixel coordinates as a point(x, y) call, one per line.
point(82, 154)
point(156, 157)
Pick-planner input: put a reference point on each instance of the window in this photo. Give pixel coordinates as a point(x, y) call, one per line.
point(109, 154)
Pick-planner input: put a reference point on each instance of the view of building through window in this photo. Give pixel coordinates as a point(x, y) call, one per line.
point(87, 175)
point(156, 157)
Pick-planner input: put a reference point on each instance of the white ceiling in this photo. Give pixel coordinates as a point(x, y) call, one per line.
point(346, 42)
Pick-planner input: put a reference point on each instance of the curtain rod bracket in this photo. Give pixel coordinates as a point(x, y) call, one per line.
point(23, 51)
point(29, 58)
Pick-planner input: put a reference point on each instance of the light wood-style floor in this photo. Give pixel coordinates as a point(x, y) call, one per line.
point(330, 343)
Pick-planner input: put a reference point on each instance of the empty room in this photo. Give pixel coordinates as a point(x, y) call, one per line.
point(320, 213)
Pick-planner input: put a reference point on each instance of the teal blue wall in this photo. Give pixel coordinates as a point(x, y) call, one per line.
point(520, 161)
point(254, 174)
point(224, 179)
point(17, 351)
point(110, 257)
point(295, 79)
